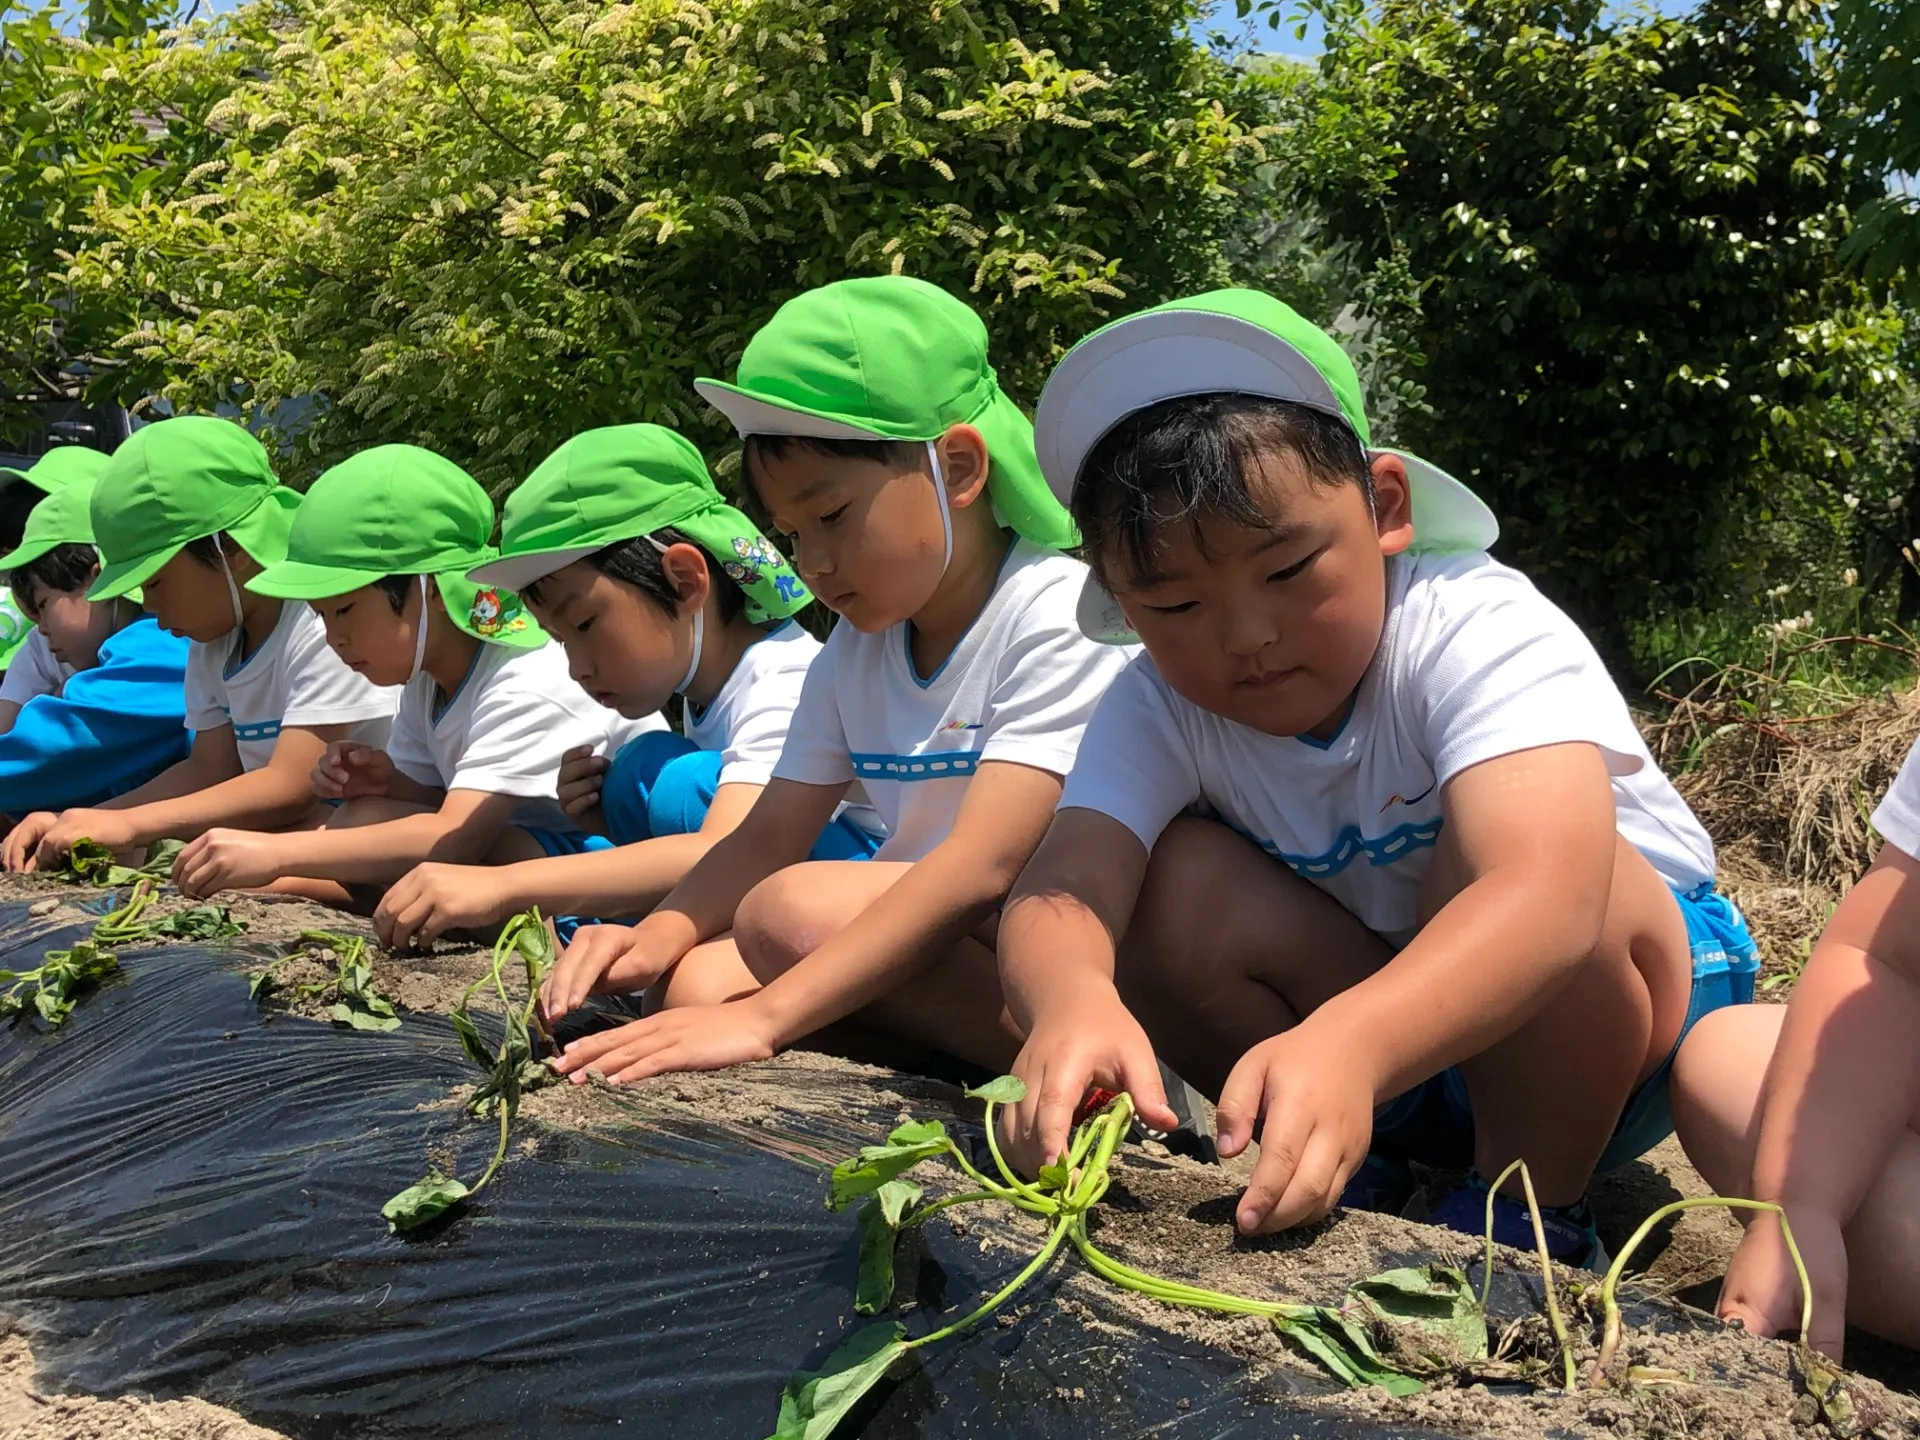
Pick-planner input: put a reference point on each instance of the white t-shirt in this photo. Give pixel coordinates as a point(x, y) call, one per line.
point(1018, 687)
point(504, 730)
point(33, 671)
point(747, 721)
point(294, 678)
point(1898, 816)
point(1474, 663)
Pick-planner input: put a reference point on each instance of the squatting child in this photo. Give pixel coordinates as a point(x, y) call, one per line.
point(953, 692)
point(186, 512)
point(625, 552)
point(1815, 1106)
point(1365, 844)
point(379, 553)
point(30, 666)
point(116, 718)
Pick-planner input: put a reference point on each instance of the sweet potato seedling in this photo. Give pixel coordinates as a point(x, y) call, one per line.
point(510, 1068)
point(91, 863)
point(63, 976)
point(356, 1002)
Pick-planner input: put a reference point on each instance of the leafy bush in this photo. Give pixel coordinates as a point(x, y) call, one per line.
point(1618, 240)
point(484, 226)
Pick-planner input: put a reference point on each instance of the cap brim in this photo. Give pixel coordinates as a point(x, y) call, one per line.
point(26, 553)
point(299, 580)
point(1100, 616)
point(516, 572)
point(123, 577)
point(756, 415)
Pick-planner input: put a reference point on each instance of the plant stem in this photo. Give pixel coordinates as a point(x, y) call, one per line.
point(499, 1153)
point(967, 1198)
point(1038, 1264)
point(994, 1187)
point(1020, 1187)
point(1172, 1292)
point(1610, 1305)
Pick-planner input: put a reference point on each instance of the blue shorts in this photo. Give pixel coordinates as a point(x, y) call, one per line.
point(1433, 1122)
point(567, 842)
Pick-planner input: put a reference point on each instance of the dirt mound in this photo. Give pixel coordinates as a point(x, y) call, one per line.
point(26, 1414)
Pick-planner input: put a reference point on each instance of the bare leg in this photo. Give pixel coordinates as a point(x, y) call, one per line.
point(1716, 1107)
point(954, 1005)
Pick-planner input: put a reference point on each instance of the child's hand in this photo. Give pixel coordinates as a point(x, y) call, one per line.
point(1318, 1108)
point(433, 898)
point(225, 860)
point(601, 958)
point(107, 827)
point(1762, 1291)
point(350, 770)
point(1100, 1044)
point(583, 774)
point(18, 854)
point(698, 1037)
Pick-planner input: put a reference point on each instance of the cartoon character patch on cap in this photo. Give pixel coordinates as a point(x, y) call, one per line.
point(755, 555)
point(493, 615)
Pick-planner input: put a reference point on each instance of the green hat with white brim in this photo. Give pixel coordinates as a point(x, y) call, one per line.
point(181, 480)
point(399, 510)
point(59, 467)
point(1237, 342)
point(888, 357)
point(62, 517)
point(621, 482)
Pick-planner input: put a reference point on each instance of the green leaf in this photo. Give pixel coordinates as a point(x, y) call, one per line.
point(263, 982)
point(423, 1201)
point(344, 1014)
point(1428, 1317)
point(470, 1040)
point(160, 857)
point(816, 1401)
point(880, 1219)
point(1055, 1176)
point(875, 1165)
point(1345, 1349)
point(896, 1197)
point(1007, 1090)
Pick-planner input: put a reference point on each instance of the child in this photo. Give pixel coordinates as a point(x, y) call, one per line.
point(625, 552)
point(1493, 918)
point(1815, 1105)
point(186, 511)
point(954, 690)
point(119, 720)
point(380, 551)
point(30, 667)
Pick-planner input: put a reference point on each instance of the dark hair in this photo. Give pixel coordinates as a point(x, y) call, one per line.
point(206, 549)
point(65, 568)
point(775, 447)
point(635, 562)
point(396, 589)
point(1188, 460)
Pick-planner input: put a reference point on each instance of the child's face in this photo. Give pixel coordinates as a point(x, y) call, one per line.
point(75, 627)
point(368, 635)
point(190, 598)
point(1273, 628)
point(622, 648)
point(865, 535)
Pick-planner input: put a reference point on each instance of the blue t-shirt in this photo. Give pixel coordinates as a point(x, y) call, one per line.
point(111, 728)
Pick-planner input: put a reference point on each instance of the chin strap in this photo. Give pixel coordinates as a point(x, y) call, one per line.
point(420, 631)
point(946, 512)
point(233, 590)
point(699, 633)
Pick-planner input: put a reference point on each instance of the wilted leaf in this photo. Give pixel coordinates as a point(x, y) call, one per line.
point(875, 1165)
point(1345, 1349)
point(470, 1040)
point(1429, 1317)
point(262, 983)
point(1007, 1090)
point(1826, 1382)
point(423, 1201)
point(344, 1014)
point(815, 1402)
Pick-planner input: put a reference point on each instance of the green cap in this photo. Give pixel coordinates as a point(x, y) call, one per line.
point(182, 480)
point(1239, 342)
point(62, 517)
point(889, 357)
point(14, 628)
point(59, 467)
point(624, 481)
point(399, 510)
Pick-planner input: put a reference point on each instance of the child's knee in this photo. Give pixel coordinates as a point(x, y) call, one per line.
point(637, 766)
point(781, 921)
point(682, 792)
point(1169, 933)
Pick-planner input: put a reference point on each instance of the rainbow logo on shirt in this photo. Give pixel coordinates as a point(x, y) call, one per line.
point(1406, 800)
point(953, 726)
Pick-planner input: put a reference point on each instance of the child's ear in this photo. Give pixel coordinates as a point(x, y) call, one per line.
point(435, 600)
point(686, 569)
point(963, 464)
point(1392, 504)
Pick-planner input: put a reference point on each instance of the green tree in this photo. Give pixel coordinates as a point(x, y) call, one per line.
point(481, 225)
point(1617, 238)
point(1880, 73)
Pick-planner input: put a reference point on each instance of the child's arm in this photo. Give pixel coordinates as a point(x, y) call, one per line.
point(1533, 836)
point(434, 898)
point(1056, 950)
point(915, 924)
point(462, 830)
point(1844, 1082)
point(208, 788)
point(777, 832)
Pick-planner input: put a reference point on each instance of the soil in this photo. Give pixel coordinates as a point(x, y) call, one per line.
point(27, 1414)
point(1785, 808)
